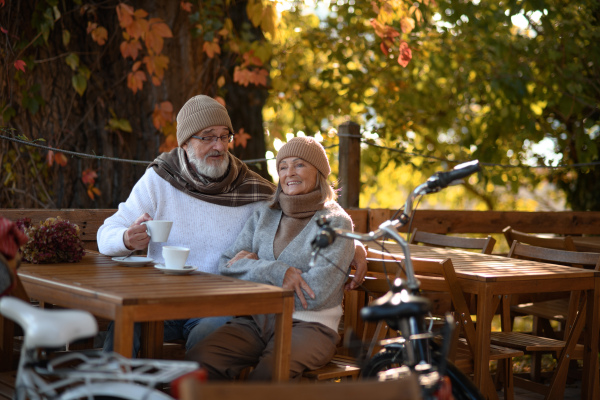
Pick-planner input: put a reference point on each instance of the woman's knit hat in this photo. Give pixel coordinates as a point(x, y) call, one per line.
point(199, 113)
point(308, 149)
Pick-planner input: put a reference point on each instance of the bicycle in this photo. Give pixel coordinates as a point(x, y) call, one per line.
point(405, 309)
point(79, 375)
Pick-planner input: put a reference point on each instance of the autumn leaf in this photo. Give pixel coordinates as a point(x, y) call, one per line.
point(137, 28)
point(162, 114)
point(241, 138)
point(20, 65)
point(260, 77)
point(169, 144)
point(1, 3)
point(269, 19)
point(405, 54)
point(3, 30)
point(251, 59)
point(50, 158)
point(221, 81)
point(79, 83)
point(156, 65)
point(220, 100)
point(93, 191)
point(89, 176)
point(99, 33)
point(125, 15)
point(186, 6)
point(60, 159)
point(159, 27)
point(210, 48)
point(135, 80)
point(130, 48)
point(241, 76)
point(254, 9)
point(407, 24)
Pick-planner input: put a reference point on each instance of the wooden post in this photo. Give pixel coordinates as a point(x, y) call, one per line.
point(349, 155)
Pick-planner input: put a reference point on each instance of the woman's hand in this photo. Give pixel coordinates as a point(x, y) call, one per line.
point(136, 237)
point(293, 280)
point(360, 264)
point(240, 255)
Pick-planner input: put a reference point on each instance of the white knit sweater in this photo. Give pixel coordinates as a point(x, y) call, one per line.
point(207, 229)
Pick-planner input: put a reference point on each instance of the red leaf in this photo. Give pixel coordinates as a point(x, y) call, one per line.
point(60, 159)
point(130, 48)
point(241, 138)
point(3, 30)
point(162, 114)
point(20, 65)
point(135, 80)
point(405, 54)
point(1, 3)
point(186, 6)
point(89, 176)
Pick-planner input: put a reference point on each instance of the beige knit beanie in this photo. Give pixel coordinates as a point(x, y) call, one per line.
point(198, 113)
point(308, 149)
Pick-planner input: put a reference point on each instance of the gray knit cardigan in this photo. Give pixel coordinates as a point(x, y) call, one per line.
point(326, 280)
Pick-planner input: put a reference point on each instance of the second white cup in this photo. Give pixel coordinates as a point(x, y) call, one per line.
point(158, 230)
point(175, 256)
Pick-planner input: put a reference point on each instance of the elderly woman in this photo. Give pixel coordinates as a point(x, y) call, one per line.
point(275, 248)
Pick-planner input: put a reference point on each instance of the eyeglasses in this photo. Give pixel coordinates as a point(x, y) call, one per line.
point(213, 139)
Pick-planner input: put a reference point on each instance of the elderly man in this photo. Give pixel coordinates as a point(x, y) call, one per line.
point(207, 193)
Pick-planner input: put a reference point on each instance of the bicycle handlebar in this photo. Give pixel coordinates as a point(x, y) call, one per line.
point(434, 184)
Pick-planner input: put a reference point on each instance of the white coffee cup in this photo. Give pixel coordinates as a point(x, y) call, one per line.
point(175, 256)
point(158, 230)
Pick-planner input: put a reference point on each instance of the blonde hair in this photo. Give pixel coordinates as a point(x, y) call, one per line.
point(327, 192)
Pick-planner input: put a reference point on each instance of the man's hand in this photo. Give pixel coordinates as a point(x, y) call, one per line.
point(242, 254)
point(136, 237)
point(360, 264)
point(293, 280)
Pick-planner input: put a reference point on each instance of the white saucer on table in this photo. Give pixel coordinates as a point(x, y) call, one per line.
point(172, 271)
point(133, 261)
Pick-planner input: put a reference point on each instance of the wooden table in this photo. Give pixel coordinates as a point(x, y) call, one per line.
point(136, 294)
point(490, 277)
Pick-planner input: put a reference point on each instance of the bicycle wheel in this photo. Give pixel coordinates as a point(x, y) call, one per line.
point(382, 361)
point(114, 391)
point(462, 387)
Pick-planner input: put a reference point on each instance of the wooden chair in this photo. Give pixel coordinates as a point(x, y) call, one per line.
point(440, 276)
point(559, 243)
point(405, 387)
point(534, 344)
point(486, 245)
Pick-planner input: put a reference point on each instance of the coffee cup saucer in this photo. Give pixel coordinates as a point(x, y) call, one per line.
point(172, 271)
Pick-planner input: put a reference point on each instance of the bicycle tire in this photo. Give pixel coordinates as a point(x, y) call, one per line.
point(462, 387)
point(382, 361)
point(114, 391)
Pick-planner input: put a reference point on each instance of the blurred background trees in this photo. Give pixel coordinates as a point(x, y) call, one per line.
point(432, 83)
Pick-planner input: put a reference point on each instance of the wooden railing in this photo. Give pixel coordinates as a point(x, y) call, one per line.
point(365, 220)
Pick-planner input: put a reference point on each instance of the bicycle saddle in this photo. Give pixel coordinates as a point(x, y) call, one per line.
point(48, 328)
point(396, 305)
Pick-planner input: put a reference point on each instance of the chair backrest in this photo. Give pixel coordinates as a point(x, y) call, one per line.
point(406, 387)
point(559, 243)
point(486, 245)
point(554, 256)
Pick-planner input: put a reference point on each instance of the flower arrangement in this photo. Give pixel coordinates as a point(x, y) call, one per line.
point(53, 240)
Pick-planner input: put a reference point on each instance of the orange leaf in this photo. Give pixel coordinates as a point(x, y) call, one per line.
point(155, 81)
point(136, 66)
point(162, 114)
point(99, 35)
point(89, 176)
point(50, 158)
point(135, 80)
point(154, 41)
point(251, 59)
point(241, 76)
point(210, 48)
point(156, 65)
point(91, 26)
point(260, 77)
point(241, 138)
point(140, 13)
point(60, 159)
point(125, 15)
point(20, 65)
point(131, 48)
point(169, 144)
point(407, 24)
point(405, 54)
point(186, 6)
point(90, 193)
point(158, 26)
point(220, 100)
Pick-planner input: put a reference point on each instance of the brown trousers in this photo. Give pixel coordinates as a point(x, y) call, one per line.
point(248, 341)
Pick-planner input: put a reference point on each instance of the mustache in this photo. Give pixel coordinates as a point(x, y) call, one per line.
point(214, 153)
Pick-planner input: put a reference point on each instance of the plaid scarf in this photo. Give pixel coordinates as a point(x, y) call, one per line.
point(239, 187)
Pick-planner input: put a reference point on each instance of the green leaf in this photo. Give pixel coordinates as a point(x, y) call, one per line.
point(66, 37)
point(79, 83)
point(72, 61)
point(7, 114)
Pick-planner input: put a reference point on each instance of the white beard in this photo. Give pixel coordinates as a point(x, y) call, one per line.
point(211, 171)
